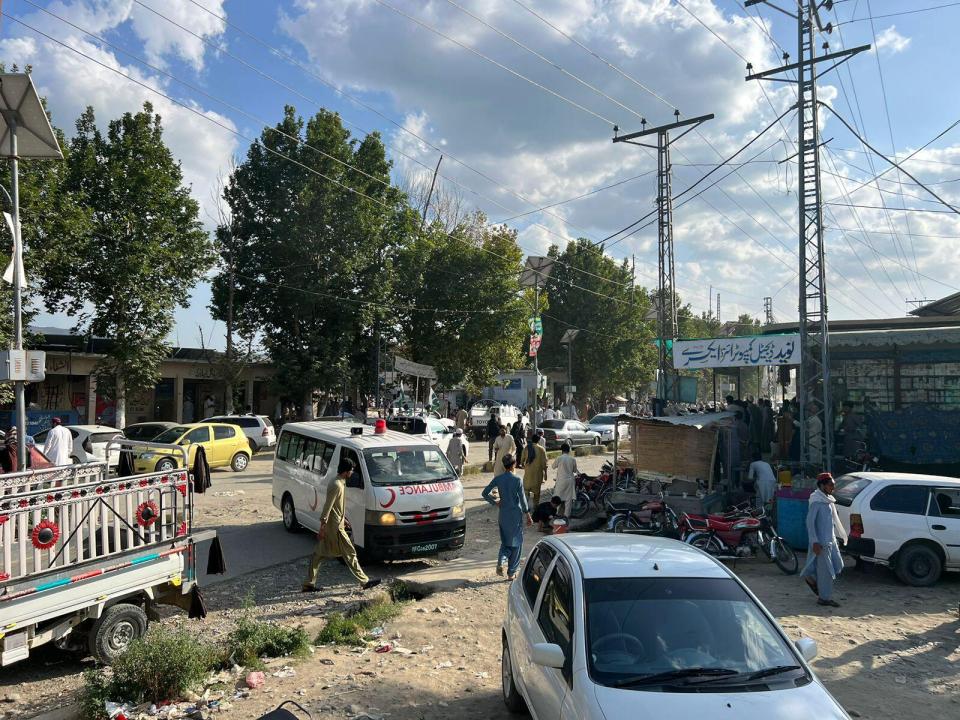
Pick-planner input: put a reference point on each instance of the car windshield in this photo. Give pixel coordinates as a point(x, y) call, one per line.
point(602, 420)
point(407, 465)
point(698, 628)
point(554, 424)
point(848, 487)
point(171, 436)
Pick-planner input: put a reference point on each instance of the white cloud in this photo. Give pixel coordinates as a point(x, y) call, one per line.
point(889, 39)
point(162, 38)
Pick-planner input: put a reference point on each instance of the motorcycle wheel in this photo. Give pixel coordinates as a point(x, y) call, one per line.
point(763, 540)
point(619, 524)
point(580, 505)
point(785, 557)
point(707, 543)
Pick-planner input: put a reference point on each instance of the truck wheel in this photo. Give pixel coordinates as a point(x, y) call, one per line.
point(113, 632)
point(240, 462)
point(290, 523)
point(918, 565)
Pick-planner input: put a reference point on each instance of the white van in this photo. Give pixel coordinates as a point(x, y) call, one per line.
point(404, 499)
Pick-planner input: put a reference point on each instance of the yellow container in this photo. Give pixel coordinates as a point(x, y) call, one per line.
point(785, 478)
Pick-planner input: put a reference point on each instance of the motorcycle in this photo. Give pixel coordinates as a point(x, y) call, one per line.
point(737, 535)
point(651, 517)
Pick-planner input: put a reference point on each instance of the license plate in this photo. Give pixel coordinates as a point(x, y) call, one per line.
point(428, 547)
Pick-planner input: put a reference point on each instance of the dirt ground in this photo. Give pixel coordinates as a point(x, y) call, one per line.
point(889, 651)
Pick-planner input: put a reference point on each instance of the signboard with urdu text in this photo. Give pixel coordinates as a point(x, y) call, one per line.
point(749, 351)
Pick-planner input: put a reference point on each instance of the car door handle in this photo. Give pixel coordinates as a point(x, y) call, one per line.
point(939, 527)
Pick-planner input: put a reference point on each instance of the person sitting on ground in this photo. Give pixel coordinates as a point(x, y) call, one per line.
point(545, 512)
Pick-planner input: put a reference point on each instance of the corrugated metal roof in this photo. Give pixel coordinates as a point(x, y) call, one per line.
point(950, 305)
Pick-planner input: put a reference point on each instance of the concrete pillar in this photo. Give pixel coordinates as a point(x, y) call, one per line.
point(91, 399)
point(178, 398)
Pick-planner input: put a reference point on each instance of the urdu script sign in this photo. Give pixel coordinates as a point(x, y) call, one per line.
point(752, 351)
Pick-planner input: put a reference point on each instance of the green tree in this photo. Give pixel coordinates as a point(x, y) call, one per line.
point(315, 224)
point(614, 352)
point(470, 280)
point(140, 250)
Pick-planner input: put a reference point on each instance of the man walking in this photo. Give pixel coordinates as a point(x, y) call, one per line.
point(535, 472)
point(457, 451)
point(332, 540)
point(461, 419)
point(824, 562)
point(502, 446)
point(58, 446)
point(493, 428)
point(565, 485)
point(513, 511)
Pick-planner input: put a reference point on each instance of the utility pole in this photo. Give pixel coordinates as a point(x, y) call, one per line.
point(666, 276)
point(813, 386)
point(718, 307)
point(767, 321)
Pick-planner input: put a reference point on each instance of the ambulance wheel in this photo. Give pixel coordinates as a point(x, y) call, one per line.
point(290, 523)
point(113, 631)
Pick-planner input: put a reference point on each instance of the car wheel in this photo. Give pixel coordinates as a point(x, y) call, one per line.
point(511, 696)
point(113, 632)
point(240, 462)
point(166, 465)
point(253, 446)
point(289, 513)
point(918, 565)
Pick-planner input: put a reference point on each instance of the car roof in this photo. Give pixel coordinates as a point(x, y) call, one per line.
point(341, 432)
point(165, 423)
point(232, 417)
point(901, 478)
point(615, 555)
point(92, 428)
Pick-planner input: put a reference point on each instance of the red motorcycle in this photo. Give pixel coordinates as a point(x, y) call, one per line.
point(739, 534)
point(650, 517)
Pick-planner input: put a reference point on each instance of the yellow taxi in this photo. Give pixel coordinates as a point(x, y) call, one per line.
point(223, 445)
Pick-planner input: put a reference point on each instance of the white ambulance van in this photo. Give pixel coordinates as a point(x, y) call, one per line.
point(404, 499)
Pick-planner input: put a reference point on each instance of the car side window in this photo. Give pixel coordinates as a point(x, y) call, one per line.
point(907, 499)
point(322, 463)
point(556, 614)
point(946, 502)
point(536, 568)
point(198, 435)
point(223, 432)
point(283, 446)
point(356, 479)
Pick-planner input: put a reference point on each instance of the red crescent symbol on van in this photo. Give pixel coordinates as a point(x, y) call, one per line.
point(316, 500)
point(392, 500)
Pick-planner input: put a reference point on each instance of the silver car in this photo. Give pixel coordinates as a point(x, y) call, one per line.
point(604, 425)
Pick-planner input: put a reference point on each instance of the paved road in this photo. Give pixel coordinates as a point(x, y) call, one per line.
point(239, 507)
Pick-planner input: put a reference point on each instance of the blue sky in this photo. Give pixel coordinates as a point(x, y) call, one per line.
point(541, 149)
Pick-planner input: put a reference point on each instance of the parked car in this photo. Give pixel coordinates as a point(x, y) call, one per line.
point(909, 522)
point(258, 429)
point(604, 425)
point(601, 625)
point(573, 432)
point(224, 445)
point(431, 429)
point(481, 412)
point(146, 430)
point(89, 443)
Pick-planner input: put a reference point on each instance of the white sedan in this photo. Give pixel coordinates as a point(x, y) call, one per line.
point(601, 626)
point(89, 443)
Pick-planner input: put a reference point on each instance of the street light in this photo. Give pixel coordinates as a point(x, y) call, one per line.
point(567, 339)
point(535, 272)
point(25, 132)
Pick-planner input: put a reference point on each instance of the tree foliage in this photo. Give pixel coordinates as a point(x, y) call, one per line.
point(614, 350)
point(132, 252)
point(470, 278)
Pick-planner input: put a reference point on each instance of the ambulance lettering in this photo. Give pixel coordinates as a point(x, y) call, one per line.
point(426, 489)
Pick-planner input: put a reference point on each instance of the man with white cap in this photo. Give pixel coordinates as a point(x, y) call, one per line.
point(58, 446)
point(457, 450)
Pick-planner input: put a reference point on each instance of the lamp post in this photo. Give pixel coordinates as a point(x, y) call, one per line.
point(24, 133)
point(535, 272)
point(567, 339)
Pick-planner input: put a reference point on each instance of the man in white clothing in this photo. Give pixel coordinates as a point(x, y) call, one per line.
point(762, 474)
point(565, 486)
point(549, 414)
point(59, 443)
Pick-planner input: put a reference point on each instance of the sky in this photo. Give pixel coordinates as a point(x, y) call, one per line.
point(521, 96)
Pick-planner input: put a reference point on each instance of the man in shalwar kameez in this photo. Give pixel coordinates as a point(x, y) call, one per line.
point(502, 447)
point(513, 512)
point(824, 562)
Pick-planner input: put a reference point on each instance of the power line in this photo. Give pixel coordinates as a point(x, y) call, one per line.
point(266, 148)
point(897, 14)
point(366, 106)
point(951, 211)
point(489, 59)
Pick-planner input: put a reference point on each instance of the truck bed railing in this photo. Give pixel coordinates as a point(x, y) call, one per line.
point(74, 516)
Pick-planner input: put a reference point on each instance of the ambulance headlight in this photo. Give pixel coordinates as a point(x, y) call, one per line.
point(381, 518)
point(457, 511)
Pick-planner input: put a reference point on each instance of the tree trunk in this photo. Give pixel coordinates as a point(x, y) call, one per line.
point(121, 404)
point(308, 413)
point(228, 400)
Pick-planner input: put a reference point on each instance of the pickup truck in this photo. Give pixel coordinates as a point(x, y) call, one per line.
point(481, 412)
point(86, 557)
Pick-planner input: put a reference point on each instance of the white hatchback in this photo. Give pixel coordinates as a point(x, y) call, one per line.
point(601, 625)
point(89, 443)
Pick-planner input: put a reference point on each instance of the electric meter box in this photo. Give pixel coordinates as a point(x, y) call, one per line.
point(25, 365)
